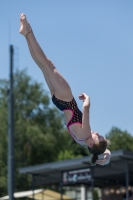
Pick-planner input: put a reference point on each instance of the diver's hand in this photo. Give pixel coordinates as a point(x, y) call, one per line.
point(102, 162)
point(106, 158)
point(85, 98)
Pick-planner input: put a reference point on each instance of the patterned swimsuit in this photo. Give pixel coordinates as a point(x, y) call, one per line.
point(76, 115)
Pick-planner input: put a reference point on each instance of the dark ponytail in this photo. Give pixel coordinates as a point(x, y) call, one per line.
point(98, 149)
point(94, 159)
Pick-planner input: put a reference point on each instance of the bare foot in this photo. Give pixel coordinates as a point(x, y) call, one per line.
point(25, 27)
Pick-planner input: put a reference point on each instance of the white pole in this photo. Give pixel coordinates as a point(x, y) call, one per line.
point(83, 192)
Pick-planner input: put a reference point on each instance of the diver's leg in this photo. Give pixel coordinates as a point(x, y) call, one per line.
point(56, 83)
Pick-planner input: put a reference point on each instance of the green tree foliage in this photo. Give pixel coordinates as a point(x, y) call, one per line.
point(3, 138)
point(40, 135)
point(95, 194)
point(120, 140)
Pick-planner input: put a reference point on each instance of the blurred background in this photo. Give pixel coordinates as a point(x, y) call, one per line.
point(91, 44)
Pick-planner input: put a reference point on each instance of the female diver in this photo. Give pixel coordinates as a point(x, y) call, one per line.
point(77, 122)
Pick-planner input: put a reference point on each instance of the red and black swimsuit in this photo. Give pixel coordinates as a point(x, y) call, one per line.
point(76, 115)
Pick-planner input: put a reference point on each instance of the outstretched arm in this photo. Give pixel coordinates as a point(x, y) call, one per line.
point(106, 158)
point(86, 130)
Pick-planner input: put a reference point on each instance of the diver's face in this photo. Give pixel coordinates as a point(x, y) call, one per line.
point(96, 137)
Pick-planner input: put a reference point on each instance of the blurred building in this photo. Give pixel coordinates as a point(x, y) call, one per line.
point(78, 179)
